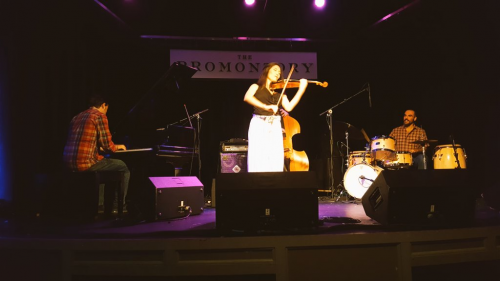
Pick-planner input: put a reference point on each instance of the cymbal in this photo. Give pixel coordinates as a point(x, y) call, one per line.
point(423, 141)
point(339, 129)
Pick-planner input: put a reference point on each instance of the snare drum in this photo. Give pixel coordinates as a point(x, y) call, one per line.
point(444, 157)
point(383, 148)
point(359, 178)
point(403, 160)
point(357, 157)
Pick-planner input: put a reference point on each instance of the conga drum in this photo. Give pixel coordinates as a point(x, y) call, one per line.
point(444, 157)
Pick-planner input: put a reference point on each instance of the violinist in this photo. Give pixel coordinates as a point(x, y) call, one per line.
point(265, 137)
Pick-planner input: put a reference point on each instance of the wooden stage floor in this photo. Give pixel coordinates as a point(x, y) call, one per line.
point(347, 245)
point(335, 216)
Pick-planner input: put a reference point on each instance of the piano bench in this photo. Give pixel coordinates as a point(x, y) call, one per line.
point(111, 179)
point(84, 192)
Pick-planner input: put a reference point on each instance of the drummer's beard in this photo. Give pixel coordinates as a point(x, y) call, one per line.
point(407, 124)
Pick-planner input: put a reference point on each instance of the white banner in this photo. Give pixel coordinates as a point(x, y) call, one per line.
point(244, 65)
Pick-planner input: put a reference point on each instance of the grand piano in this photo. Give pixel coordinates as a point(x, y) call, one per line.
point(154, 148)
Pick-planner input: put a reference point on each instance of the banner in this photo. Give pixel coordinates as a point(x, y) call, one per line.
point(244, 65)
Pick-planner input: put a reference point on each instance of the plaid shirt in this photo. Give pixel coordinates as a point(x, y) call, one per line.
point(88, 131)
point(403, 139)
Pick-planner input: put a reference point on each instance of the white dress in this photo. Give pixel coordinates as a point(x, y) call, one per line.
point(265, 144)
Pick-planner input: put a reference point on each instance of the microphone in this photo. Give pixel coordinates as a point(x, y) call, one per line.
point(365, 178)
point(369, 95)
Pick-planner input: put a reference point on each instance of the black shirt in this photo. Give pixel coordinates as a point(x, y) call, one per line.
point(264, 96)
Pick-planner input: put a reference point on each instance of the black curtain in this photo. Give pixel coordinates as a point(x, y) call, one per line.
point(440, 59)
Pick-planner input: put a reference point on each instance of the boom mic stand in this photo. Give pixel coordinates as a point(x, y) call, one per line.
point(329, 121)
point(197, 138)
point(190, 117)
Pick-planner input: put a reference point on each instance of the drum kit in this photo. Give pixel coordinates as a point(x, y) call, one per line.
point(364, 166)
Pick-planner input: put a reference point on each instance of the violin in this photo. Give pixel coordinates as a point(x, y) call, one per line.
point(294, 83)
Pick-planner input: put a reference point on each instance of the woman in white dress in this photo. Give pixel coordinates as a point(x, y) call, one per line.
point(265, 137)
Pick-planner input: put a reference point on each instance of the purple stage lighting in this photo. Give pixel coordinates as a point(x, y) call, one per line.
point(249, 2)
point(319, 3)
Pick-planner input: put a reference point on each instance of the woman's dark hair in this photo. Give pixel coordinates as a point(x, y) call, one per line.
point(263, 76)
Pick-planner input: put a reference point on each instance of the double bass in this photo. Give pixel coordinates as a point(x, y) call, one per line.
point(298, 159)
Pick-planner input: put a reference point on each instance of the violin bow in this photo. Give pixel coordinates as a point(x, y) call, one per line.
point(286, 83)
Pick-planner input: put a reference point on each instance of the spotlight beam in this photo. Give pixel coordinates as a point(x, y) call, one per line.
point(396, 12)
point(110, 12)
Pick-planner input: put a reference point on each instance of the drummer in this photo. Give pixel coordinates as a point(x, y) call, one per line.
point(407, 133)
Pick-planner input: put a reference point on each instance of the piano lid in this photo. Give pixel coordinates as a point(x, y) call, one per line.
point(162, 104)
point(177, 73)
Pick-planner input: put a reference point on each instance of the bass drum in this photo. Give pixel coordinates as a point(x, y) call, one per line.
point(358, 178)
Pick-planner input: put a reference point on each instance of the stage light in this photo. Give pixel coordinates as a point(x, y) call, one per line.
point(319, 3)
point(249, 2)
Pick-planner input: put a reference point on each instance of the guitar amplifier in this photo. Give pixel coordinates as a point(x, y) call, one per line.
point(234, 148)
point(234, 145)
point(233, 162)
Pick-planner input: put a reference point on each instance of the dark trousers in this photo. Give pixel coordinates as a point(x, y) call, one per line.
point(109, 164)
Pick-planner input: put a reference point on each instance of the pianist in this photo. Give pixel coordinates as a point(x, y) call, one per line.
point(88, 135)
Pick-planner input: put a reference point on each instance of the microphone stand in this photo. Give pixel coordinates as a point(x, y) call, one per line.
point(330, 170)
point(455, 152)
point(197, 146)
point(347, 148)
point(343, 191)
point(330, 109)
point(197, 137)
point(423, 149)
point(329, 121)
point(190, 117)
point(197, 134)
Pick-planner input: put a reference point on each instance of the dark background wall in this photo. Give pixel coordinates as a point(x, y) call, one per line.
point(438, 57)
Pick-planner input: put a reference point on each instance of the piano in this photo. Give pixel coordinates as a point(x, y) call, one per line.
point(143, 130)
point(134, 150)
point(155, 149)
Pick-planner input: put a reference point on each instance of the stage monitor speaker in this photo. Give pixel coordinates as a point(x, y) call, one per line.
point(177, 197)
point(274, 202)
point(421, 197)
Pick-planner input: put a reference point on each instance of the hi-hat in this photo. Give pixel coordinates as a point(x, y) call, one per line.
point(423, 141)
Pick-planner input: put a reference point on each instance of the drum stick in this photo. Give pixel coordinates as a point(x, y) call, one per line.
point(365, 135)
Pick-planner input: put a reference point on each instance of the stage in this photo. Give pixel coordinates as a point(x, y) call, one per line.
point(346, 245)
